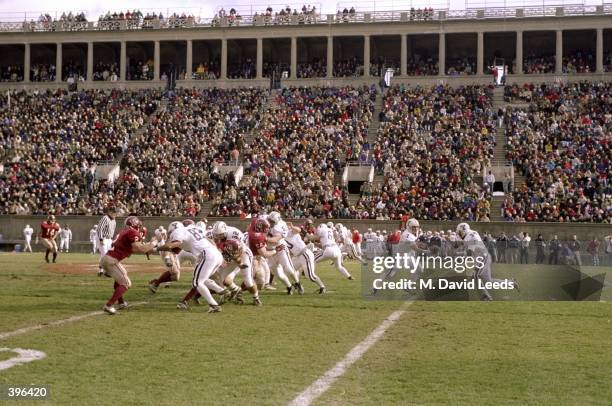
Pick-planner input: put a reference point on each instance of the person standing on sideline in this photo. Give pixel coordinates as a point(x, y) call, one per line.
point(593, 249)
point(574, 245)
point(65, 237)
point(524, 248)
point(27, 234)
point(93, 238)
point(106, 231)
point(540, 244)
point(555, 248)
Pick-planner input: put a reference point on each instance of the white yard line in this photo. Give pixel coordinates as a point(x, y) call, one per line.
point(321, 385)
point(24, 330)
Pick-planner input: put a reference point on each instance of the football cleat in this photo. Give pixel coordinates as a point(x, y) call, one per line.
point(224, 296)
point(350, 278)
point(152, 286)
point(182, 306)
point(290, 290)
point(100, 271)
point(123, 305)
point(298, 286)
point(238, 299)
point(110, 310)
point(269, 287)
point(322, 290)
point(214, 309)
point(256, 301)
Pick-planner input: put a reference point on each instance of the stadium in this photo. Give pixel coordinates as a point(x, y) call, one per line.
point(256, 203)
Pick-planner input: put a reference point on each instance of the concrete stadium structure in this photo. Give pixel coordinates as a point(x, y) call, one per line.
point(480, 34)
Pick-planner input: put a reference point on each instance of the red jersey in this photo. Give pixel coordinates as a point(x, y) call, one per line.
point(257, 241)
point(48, 231)
point(143, 233)
point(122, 246)
point(356, 237)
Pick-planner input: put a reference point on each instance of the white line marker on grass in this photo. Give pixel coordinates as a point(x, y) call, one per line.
point(322, 384)
point(8, 334)
point(23, 357)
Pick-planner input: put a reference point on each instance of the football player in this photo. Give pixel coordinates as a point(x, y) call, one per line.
point(281, 263)
point(238, 260)
point(48, 233)
point(329, 249)
point(302, 256)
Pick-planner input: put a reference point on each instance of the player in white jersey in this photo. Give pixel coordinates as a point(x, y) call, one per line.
point(329, 249)
point(93, 239)
point(27, 234)
point(348, 247)
point(472, 245)
point(280, 263)
point(302, 256)
point(65, 235)
point(238, 260)
point(223, 232)
point(193, 240)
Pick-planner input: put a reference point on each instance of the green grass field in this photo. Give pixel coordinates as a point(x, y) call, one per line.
point(452, 353)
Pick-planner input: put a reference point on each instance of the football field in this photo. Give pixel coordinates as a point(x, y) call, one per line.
point(515, 352)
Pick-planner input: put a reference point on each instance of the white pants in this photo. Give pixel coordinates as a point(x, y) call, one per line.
point(186, 256)
point(333, 252)
point(281, 265)
point(232, 270)
point(64, 244)
point(28, 246)
point(104, 246)
point(209, 263)
point(94, 249)
point(306, 262)
point(351, 250)
point(484, 274)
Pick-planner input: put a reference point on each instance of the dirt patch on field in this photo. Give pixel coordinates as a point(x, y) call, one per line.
point(89, 268)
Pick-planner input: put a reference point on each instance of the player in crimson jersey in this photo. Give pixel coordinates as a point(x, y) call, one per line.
point(127, 242)
point(48, 232)
point(257, 239)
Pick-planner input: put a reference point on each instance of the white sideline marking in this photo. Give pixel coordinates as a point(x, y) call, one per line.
point(41, 326)
point(24, 357)
point(321, 385)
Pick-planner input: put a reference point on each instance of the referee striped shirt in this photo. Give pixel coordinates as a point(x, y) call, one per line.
point(106, 228)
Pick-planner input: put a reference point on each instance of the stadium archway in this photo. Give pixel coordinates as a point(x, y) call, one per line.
point(422, 54)
point(106, 60)
point(43, 58)
point(11, 63)
point(461, 53)
point(539, 50)
point(311, 57)
point(140, 60)
point(74, 60)
point(276, 56)
point(385, 53)
point(607, 50)
point(241, 58)
point(579, 51)
point(173, 59)
point(206, 59)
point(348, 56)
point(500, 45)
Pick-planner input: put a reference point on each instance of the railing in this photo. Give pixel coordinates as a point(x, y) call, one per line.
point(300, 19)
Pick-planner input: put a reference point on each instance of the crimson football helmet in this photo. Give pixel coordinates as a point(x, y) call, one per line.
point(188, 222)
point(230, 249)
point(261, 226)
point(133, 222)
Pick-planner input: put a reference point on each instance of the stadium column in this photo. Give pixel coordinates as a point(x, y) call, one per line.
point(366, 56)
point(189, 68)
point(404, 55)
point(330, 56)
point(480, 54)
point(26, 63)
point(90, 58)
point(293, 57)
point(599, 52)
point(442, 54)
point(58, 63)
point(156, 61)
point(123, 61)
point(559, 53)
point(259, 67)
point(519, 53)
point(223, 58)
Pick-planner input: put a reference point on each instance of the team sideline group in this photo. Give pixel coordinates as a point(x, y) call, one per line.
point(270, 248)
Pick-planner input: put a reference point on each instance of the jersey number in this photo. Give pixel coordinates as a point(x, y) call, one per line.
point(197, 233)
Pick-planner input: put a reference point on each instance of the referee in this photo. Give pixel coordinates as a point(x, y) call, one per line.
point(106, 231)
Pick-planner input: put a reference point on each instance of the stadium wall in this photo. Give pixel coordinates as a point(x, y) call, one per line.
point(11, 227)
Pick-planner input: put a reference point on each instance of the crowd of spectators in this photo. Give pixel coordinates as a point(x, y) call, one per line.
point(346, 15)
point(106, 72)
point(537, 64)
point(418, 66)
point(140, 70)
point(11, 73)
point(51, 141)
point(72, 69)
point(317, 68)
point(171, 170)
point(42, 72)
point(268, 68)
point(242, 69)
point(232, 19)
point(348, 67)
point(561, 144)
point(378, 66)
point(579, 62)
point(461, 66)
point(307, 15)
point(303, 141)
point(425, 14)
point(432, 144)
point(207, 70)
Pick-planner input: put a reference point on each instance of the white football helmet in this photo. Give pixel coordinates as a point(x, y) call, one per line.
point(463, 229)
point(413, 226)
point(175, 225)
point(339, 226)
point(219, 229)
point(274, 217)
point(201, 224)
point(330, 224)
